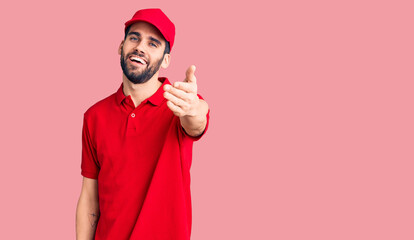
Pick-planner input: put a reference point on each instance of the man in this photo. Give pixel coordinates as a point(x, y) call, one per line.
point(137, 143)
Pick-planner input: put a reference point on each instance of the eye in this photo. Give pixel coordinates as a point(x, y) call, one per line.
point(153, 44)
point(132, 38)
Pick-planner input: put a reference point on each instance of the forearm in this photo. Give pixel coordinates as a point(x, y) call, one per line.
point(195, 125)
point(87, 216)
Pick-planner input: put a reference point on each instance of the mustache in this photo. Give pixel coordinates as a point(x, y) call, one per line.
point(137, 55)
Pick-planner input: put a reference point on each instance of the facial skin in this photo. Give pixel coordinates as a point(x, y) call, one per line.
point(144, 44)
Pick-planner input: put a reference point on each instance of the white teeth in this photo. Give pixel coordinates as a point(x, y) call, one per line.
point(138, 60)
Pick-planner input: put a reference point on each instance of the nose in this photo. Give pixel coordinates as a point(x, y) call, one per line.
point(140, 47)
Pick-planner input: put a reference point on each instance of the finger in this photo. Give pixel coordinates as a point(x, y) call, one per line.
point(189, 74)
point(175, 91)
point(177, 101)
point(186, 87)
point(175, 109)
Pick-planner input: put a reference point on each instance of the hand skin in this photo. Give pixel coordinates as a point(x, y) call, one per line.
point(185, 104)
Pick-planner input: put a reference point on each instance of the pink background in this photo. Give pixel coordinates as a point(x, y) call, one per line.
point(311, 133)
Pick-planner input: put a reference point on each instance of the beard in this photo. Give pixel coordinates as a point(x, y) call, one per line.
point(142, 77)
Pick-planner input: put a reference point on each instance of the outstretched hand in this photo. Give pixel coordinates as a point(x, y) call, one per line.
point(182, 96)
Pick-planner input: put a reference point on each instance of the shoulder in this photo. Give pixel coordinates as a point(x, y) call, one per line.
point(100, 107)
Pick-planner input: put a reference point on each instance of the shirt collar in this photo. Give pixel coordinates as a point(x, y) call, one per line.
point(156, 99)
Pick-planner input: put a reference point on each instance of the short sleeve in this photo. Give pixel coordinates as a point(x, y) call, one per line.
point(90, 165)
point(205, 130)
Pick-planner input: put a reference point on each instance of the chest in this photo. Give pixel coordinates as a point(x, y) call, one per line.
point(133, 134)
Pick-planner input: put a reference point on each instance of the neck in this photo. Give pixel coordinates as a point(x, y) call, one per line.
point(140, 92)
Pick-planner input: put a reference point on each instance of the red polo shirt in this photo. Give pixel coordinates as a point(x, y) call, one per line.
point(141, 157)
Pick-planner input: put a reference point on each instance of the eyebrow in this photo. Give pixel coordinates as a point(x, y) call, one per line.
point(155, 40)
point(134, 33)
point(151, 38)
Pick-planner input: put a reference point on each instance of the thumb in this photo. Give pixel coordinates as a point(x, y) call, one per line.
point(189, 74)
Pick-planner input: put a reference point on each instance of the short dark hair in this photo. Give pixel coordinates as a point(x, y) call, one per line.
point(167, 44)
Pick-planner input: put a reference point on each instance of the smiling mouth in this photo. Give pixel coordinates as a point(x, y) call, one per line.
point(137, 60)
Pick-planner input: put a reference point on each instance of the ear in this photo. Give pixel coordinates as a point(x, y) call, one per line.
point(120, 47)
point(166, 61)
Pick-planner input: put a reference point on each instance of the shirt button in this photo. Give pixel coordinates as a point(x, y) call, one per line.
point(133, 115)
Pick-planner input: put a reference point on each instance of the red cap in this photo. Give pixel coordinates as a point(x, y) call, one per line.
point(157, 18)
